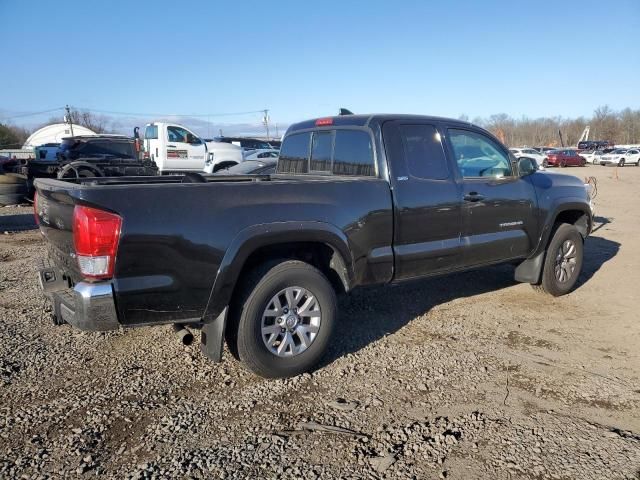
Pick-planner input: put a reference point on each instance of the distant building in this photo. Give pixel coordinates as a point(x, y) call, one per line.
point(54, 134)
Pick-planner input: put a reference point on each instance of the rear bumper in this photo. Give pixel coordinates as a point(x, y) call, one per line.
point(86, 306)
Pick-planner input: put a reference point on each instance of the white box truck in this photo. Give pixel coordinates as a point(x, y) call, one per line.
point(177, 149)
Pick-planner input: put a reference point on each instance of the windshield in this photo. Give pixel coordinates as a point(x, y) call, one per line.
point(618, 151)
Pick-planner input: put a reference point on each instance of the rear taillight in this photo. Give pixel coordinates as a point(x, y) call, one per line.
point(96, 234)
point(35, 208)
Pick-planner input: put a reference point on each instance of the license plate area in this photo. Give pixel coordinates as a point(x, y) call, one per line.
point(52, 280)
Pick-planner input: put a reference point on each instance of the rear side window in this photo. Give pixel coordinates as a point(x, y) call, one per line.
point(343, 152)
point(321, 151)
point(294, 155)
point(151, 132)
point(423, 152)
point(353, 153)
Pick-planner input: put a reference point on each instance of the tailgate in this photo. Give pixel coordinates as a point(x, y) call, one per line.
point(54, 210)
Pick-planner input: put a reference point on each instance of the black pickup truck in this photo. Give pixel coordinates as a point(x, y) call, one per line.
point(357, 200)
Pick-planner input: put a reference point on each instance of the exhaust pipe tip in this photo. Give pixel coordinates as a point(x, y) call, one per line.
point(185, 336)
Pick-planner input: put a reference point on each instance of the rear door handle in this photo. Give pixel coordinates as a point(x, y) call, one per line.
point(473, 197)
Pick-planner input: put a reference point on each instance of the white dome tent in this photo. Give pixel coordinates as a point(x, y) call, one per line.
point(54, 134)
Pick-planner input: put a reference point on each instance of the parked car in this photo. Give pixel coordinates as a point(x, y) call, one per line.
point(254, 158)
point(264, 166)
point(246, 142)
point(357, 200)
point(261, 154)
point(592, 156)
point(621, 157)
point(541, 160)
point(176, 149)
point(565, 158)
point(545, 150)
point(594, 144)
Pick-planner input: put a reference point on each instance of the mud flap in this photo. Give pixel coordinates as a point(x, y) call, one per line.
point(529, 271)
point(212, 337)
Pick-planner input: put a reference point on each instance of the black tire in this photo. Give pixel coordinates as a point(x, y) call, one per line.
point(11, 179)
point(621, 163)
point(245, 317)
point(12, 198)
point(13, 188)
point(550, 283)
point(563, 164)
point(79, 170)
point(545, 163)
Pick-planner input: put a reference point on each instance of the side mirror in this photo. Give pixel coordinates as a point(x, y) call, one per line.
point(527, 166)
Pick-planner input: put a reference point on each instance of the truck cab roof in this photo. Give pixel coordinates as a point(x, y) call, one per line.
point(365, 120)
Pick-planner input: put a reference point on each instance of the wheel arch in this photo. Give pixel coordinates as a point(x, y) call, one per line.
point(575, 213)
point(320, 244)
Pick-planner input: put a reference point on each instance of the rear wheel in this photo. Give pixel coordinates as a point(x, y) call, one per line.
point(282, 320)
point(563, 261)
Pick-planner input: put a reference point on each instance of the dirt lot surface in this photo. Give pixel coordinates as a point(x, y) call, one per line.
point(467, 376)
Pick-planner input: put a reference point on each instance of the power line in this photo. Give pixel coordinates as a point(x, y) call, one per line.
point(112, 112)
point(31, 114)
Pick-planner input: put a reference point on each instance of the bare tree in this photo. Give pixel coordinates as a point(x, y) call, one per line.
point(85, 118)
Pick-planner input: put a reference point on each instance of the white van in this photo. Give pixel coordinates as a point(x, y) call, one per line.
point(177, 149)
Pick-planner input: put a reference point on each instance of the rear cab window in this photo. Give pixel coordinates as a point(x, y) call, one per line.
point(342, 151)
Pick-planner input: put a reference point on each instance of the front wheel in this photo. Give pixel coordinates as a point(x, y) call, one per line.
point(283, 319)
point(621, 163)
point(563, 261)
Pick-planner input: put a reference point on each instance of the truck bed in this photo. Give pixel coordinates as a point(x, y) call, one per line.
point(178, 238)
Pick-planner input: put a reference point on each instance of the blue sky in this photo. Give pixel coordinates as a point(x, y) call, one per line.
point(306, 59)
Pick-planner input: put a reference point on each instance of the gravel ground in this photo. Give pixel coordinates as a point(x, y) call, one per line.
point(467, 376)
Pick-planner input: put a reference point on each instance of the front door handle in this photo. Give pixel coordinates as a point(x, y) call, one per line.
point(473, 197)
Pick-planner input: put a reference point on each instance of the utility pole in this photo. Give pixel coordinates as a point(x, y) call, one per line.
point(69, 119)
point(265, 120)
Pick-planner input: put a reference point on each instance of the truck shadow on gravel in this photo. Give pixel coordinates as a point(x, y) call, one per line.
point(597, 252)
point(368, 314)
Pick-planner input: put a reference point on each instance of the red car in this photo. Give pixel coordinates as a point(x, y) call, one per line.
point(564, 158)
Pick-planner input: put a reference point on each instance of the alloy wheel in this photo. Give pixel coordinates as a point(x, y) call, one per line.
point(565, 264)
point(291, 321)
